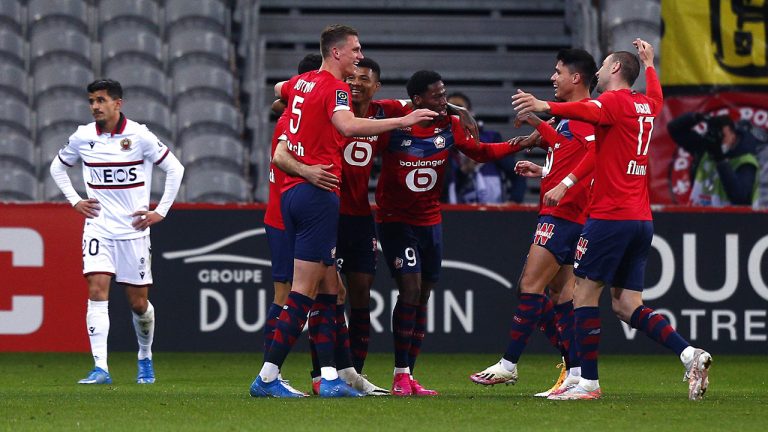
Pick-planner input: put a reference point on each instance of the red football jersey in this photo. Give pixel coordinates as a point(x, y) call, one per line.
point(566, 147)
point(274, 217)
point(358, 160)
point(414, 160)
point(313, 98)
point(624, 121)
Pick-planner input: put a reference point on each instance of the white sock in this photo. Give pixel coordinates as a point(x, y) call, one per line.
point(97, 325)
point(269, 372)
point(348, 375)
point(687, 355)
point(574, 371)
point(328, 373)
point(589, 385)
point(145, 331)
point(405, 370)
point(508, 365)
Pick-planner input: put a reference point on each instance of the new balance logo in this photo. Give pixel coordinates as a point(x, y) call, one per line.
point(544, 232)
point(581, 247)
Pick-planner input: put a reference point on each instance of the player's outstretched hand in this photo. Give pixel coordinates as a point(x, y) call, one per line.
point(525, 103)
point(554, 195)
point(416, 116)
point(318, 175)
point(468, 123)
point(644, 51)
point(143, 219)
point(528, 169)
point(89, 207)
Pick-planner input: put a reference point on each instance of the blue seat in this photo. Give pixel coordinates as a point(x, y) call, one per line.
point(17, 184)
point(137, 14)
point(15, 115)
point(212, 185)
point(13, 81)
point(62, 74)
point(12, 47)
point(41, 13)
point(189, 42)
point(211, 14)
point(127, 42)
point(18, 150)
point(59, 41)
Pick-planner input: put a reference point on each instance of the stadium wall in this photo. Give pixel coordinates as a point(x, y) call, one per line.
point(708, 273)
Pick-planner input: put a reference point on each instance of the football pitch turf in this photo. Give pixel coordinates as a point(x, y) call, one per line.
point(210, 392)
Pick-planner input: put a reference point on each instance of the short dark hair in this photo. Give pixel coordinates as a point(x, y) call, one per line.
point(332, 35)
point(113, 88)
point(630, 65)
point(463, 96)
point(579, 61)
point(420, 82)
point(372, 65)
point(310, 62)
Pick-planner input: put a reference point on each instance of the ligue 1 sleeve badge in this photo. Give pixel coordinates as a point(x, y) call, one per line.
point(125, 144)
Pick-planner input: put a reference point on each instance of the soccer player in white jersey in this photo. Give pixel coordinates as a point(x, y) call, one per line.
point(117, 158)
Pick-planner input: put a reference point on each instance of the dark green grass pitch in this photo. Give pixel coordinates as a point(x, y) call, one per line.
point(210, 392)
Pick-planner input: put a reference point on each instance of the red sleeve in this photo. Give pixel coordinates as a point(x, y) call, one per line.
point(588, 111)
point(483, 152)
point(587, 164)
point(548, 134)
point(653, 89)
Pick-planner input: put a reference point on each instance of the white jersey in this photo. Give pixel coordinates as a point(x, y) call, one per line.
point(117, 169)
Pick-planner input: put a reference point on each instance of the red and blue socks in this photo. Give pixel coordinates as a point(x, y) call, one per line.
point(359, 336)
point(419, 329)
point(322, 328)
point(524, 320)
point(587, 335)
point(403, 323)
point(289, 326)
point(656, 327)
point(269, 326)
point(564, 313)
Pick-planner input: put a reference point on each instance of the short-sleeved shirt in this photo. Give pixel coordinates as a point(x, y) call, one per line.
point(358, 160)
point(563, 156)
point(273, 217)
point(414, 161)
point(313, 98)
point(117, 169)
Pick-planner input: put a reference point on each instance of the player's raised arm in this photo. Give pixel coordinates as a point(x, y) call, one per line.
point(349, 125)
point(653, 87)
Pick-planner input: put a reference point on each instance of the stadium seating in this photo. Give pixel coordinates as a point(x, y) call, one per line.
point(15, 114)
point(17, 150)
point(203, 78)
point(211, 185)
point(189, 43)
point(122, 42)
point(199, 115)
point(42, 13)
point(62, 75)
point(59, 40)
point(210, 14)
point(17, 184)
point(13, 81)
point(141, 15)
point(61, 109)
point(11, 15)
point(148, 111)
point(215, 151)
point(139, 77)
point(12, 48)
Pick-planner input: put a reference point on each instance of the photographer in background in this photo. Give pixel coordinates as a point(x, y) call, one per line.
point(725, 164)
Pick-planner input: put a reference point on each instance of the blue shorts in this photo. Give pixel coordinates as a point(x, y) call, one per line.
point(311, 217)
point(614, 252)
point(356, 247)
point(281, 249)
point(558, 236)
point(412, 249)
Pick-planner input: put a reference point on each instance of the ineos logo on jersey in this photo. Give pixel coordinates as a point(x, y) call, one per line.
point(113, 175)
point(421, 179)
point(358, 153)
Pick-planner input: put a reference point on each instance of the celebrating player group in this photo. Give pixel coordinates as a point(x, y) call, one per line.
point(594, 229)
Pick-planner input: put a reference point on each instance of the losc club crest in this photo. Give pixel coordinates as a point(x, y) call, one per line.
point(439, 141)
point(125, 144)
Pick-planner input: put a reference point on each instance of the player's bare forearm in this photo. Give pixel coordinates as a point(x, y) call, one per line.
point(528, 169)
point(471, 129)
point(349, 125)
point(317, 175)
point(88, 207)
point(284, 160)
point(525, 103)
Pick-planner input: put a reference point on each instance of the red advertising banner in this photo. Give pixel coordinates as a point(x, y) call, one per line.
point(42, 291)
point(671, 180)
